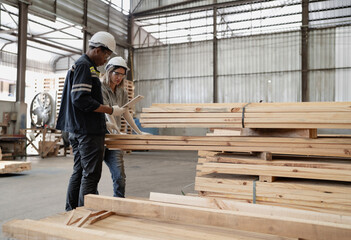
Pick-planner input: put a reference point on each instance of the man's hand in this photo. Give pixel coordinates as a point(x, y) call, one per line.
point(117, 111)
point(112, 128)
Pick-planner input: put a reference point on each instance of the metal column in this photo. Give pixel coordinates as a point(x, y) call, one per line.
point(304, 52)
point(130, 75)
point(85, 34)
point(22, 51)
point(215, 50)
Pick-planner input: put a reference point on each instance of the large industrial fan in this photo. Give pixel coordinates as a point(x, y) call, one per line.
point(42, 110)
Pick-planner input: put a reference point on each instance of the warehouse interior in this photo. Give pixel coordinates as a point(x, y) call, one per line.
point(246, 114)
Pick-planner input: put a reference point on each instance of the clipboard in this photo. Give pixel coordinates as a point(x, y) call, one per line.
point(132, 102)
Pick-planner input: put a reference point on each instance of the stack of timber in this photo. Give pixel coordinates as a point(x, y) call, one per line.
point(301, 115)
point(316, 183)
point(14, 166)
point(325, 146)
point(105, 218)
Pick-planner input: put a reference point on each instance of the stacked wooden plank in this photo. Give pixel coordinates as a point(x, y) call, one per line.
point(321, 184)
point(105, 218)
point(329, 146)
point(301, 115)
point(14, 166)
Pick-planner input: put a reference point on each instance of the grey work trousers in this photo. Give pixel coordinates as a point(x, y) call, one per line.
point(88, 153)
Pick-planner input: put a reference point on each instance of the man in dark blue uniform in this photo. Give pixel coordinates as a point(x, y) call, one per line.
point(82, 115)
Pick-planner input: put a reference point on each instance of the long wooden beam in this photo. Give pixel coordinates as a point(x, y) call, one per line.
point(228, 204)
point(277, 171)
point(275, 225)
point(336, 147)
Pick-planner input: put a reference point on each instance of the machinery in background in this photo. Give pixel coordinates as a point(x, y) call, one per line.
point(42, 110)
point(42, 136)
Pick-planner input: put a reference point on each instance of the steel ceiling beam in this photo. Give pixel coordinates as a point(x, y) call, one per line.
point(153, 12)
point(53, 45)
point(165, 6)
point(54, 30)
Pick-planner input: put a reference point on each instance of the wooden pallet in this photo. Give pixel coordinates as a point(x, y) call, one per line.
point(129, 87)
point(133, 219)
point(46, 140)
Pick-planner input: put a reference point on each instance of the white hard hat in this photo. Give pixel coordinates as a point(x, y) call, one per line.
point(117, 61)
point(103, 39)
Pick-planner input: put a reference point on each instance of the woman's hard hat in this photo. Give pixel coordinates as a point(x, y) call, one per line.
point(117, 61)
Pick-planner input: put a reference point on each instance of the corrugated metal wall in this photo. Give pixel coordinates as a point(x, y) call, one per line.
point(343, 64)
point(177, 73)
point(322, 65)
point(264, 67)
point(10, 60)
point(250, 69)
point(330, 64)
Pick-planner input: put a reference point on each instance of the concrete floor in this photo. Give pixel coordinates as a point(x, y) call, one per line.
point(41, 192)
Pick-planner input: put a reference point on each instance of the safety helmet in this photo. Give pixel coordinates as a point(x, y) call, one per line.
point(103, 39)
point(117, 61)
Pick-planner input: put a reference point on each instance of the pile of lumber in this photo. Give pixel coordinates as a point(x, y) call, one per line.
point(328, 146)
point(14, 166)
point(321, 184)
point(107, 218)
point(299, 115)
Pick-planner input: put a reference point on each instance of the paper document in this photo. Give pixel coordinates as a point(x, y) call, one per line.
point(132, 102)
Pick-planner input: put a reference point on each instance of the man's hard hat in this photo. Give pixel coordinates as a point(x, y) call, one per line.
point(117, 62)
point(103, 39)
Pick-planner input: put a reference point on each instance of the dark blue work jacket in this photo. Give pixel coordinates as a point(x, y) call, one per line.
point(81, 96)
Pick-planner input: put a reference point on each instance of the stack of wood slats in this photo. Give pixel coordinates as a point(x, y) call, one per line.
point(14, 166)
point(320, 184)
point(107, 218)
point(301, 115)
point(59, 86)
point(129, 87)
point(333, 147)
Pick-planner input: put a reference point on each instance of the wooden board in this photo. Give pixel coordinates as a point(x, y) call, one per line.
point(14, 166)
point(229, 204)
point(280, 170)
point(336, 147)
